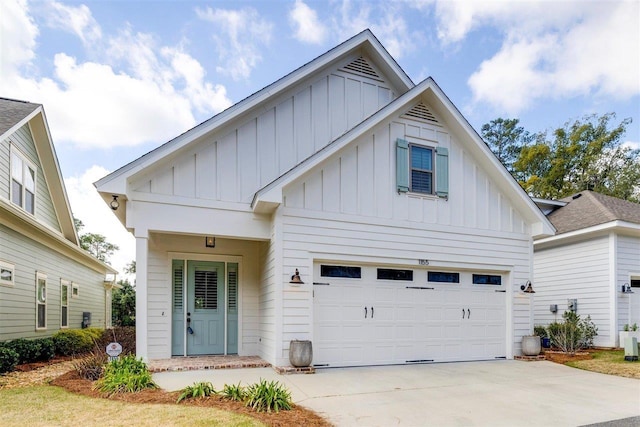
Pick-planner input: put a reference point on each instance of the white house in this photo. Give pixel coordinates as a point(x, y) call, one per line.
point(47, 281)
point(594, 255)
point(410, 238)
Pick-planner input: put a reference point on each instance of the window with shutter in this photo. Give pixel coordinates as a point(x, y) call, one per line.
point(421, 169)
point(206, 289)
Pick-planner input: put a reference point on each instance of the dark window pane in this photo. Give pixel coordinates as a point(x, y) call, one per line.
point(421, 182)
point(65, 317)
point(393, 274)
point(29, 202)
point(421, 158)
point(42, 315)
point(16, 193)
point(340, 271)
point(635, 283)
point(487, 279)
point(437, 276)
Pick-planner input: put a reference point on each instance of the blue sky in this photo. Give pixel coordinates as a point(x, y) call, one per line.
point(118, 78)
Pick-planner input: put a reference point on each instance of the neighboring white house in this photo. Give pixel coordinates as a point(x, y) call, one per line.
point(410, 237)
point(47, 282)
point(595, 253)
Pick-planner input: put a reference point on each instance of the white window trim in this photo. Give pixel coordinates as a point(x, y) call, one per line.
point(28, 163)
point(75, 290)
point(432, 171)
point(7, 266)
point(41, 276)
point(66, 283)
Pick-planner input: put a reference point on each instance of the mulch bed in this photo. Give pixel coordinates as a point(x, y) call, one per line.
point(72, 382)
point(562, 358)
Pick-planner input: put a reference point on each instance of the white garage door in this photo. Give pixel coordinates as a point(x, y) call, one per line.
point(397, 316)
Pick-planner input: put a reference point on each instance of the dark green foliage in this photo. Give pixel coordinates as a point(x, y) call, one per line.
point(125, 375)
point(268, 396)
point(197, 391)
point(234, 392)
point(8, 359)
point(96, 244)
point(73, 341)
point(540, 331)
point(124, 304)
point(505, 138)
point(573, 333)
point(29, 351)
point(124, 335)
point(91, 367)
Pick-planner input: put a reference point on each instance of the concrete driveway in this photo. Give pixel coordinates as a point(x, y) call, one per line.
point(504, 392)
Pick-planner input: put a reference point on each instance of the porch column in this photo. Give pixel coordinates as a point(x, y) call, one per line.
point(142, 252)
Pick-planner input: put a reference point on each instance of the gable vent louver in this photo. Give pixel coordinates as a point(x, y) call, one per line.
point(421, 112)
point(362, 67)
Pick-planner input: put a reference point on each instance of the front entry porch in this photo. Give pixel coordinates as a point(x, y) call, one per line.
point(194, 363)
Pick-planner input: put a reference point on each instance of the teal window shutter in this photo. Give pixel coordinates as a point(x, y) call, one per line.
point(442, 172)
point(402, 165)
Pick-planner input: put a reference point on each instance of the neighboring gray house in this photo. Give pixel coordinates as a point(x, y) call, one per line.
point(595, 252)
point(46, 280)
point(411, 239)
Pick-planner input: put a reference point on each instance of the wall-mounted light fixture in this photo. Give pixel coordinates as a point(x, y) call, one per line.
point(527, 288)
point(295, 279)
point(626, 289)
point(115, 204)
point(210, 242)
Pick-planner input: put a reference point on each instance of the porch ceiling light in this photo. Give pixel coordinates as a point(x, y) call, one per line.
point(527, 288)
point(115, 204)
point(210, 242)
point(295, 279)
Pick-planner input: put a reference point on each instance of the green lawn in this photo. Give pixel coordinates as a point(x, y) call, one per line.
point(609, 362)
point(47, 406)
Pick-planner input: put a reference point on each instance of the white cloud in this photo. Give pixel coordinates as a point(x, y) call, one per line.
point(307, 26)
point(76, 20)
point(550, 49)
point(634, 145)
point(88, 207)
point(137, 96)
point(239, 35)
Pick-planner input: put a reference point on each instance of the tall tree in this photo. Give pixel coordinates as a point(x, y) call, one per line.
point(505, 138)
point(584, 155)
point(123, 304)
point(96, 244)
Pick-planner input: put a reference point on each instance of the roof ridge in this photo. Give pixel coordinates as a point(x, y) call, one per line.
point(592, 196)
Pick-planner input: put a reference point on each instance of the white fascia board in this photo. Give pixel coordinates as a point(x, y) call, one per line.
point(455, 119)
point(364, 39)
point(271, 194)
point(584, 232)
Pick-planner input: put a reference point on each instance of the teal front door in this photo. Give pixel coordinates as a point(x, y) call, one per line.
point(205, 308)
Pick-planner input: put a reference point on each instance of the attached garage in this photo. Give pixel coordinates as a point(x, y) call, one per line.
point(379, 315)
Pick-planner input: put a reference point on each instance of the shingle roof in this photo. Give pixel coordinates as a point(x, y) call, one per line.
point(587, 209)
point(12, 111)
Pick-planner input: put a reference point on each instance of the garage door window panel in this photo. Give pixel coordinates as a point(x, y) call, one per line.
point(443, 277)
point(487, 279)
point(395, 274)
point(341, 271)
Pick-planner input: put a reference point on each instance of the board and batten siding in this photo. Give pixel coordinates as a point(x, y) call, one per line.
point(159, 288)
point(23, 141)
point(360, 180)
point(17, 303)
point(575, 271)
point(628, 258)
point(234, 162)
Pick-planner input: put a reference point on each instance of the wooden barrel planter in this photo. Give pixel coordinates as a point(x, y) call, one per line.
point(300, 353)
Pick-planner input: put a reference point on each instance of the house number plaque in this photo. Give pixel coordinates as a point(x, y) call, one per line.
point(423, 261)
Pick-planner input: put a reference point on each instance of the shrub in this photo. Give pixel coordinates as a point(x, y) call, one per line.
point(94, 333)
point(197, 391)
point(268, 396)
point(234, 392)
point(72, 341)
point(540, 331)
point(573, 333)
point(91, 367)
point(30, 351)
point(8, 359)
point(47, 349)
point(125, 375)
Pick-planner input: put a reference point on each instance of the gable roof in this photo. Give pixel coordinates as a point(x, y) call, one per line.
point(267, 198)
point(14, 114)
point(588, 209)
point(13, 111)
point(115, 182)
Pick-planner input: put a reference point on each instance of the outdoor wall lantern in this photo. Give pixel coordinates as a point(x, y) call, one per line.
point(626, 289)
point(295, 279)
point(210, 242)
point(527, 288)
point(114, 203)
